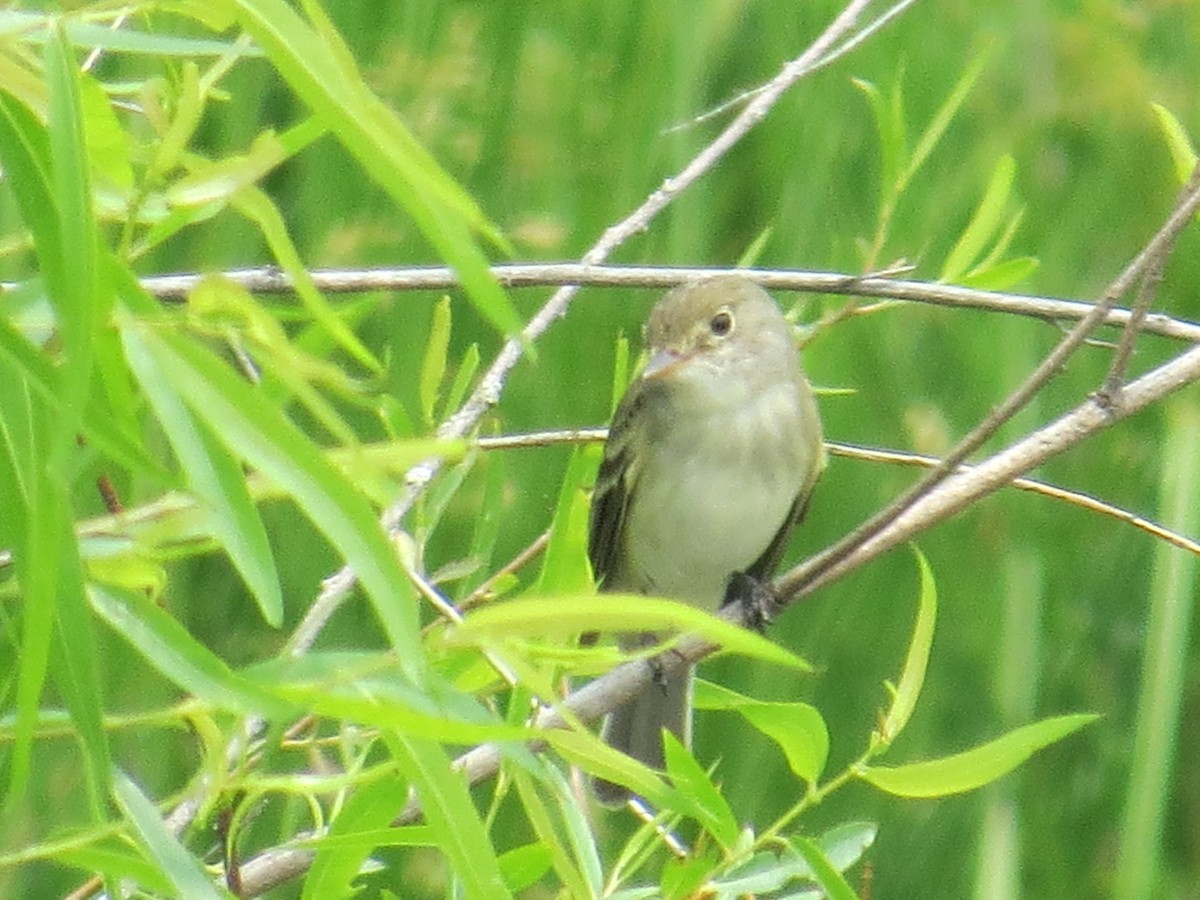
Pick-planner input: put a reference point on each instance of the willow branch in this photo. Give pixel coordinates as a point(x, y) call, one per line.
point(530, 275)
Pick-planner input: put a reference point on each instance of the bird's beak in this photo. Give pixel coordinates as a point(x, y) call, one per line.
point(663, 362)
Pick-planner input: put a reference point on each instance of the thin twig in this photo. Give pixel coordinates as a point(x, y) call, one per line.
point(531, 552)
point(1042, 488)
point(1151, 278)
point(530, 275)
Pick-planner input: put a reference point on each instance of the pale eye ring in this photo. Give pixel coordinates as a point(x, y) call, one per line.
point(722, 323)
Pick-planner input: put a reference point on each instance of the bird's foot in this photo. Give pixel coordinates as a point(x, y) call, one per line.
point(757, 598)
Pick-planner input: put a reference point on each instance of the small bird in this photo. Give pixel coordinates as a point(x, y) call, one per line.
point(709, 464)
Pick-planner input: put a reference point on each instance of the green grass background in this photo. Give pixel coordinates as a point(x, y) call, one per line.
point(554, 116)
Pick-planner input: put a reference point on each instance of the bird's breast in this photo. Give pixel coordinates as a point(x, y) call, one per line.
point(713, 491)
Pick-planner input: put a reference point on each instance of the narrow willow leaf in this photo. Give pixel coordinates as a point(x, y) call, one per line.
point(117, 862)
point(764, 873)
point(462, 380)
point(703, 801)
point(35, 28)
point(81, 306)
point(579, 829)
point(1002, 275)
point(168, 648)
point(77, 661)
point(912, 677)
point(319, 69)
point(547, 830)
point(797, 728)
point(569, 615)
point(218, 181)
point(450, 812)
point(255, 205)
point(181, 869)
point(891, 135)
point(522, 867)
point(976, 767)
point(257, 431)
point(588, 752)
point(565, 568)
point(370, 808)
point(754, 251)
point(984, 224)
point(683, 879)
point(433, 365)
point(945, 114)
point(826, 874)
point(1183, 153)
point(215, 477)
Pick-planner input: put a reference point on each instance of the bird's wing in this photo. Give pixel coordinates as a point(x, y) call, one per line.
point(614, 485)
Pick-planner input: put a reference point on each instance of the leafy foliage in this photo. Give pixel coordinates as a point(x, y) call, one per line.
point(158, 679)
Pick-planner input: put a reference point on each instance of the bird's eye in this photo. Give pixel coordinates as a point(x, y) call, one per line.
point(721, 324)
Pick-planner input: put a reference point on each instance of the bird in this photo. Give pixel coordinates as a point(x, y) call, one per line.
point(709, 464)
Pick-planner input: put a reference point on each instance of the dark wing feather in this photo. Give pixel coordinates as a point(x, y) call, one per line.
point(610, 502)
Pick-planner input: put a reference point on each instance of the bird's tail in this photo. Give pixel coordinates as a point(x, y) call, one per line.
point(636, 728)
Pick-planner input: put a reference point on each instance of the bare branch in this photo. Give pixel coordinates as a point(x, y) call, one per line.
point(1151, 277)
point(528, 275)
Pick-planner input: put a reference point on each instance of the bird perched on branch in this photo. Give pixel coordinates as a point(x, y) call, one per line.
point(711, 458)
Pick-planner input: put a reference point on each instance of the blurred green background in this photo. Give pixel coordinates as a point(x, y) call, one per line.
point(555, 116)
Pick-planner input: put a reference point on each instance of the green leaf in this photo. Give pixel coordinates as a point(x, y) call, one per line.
point(168, 647)
point(588, 752)
point(620, 371)
point(701, 799)
point(1183, 154)
point(888, 113)
point(433, 365)
point(764, 873)
point(797, 728)
point(754, 251)
point(257, 431)
point(337, 862)
point(548, 831)
point(937, 126)
point(449, 811)
point(976, 767)
point(76, 664)
point(186, 875)
point(117, 862)
point(462, 380)
point(522, 867)
point(984, 223)
point(81, 305)
point(216, 479)
point(682, 879)
point(1002, 275)
point(565, 568)
point(255, 205)
point(825, 873)
point(319, 68)
point(912, 677)
point(566, 616)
